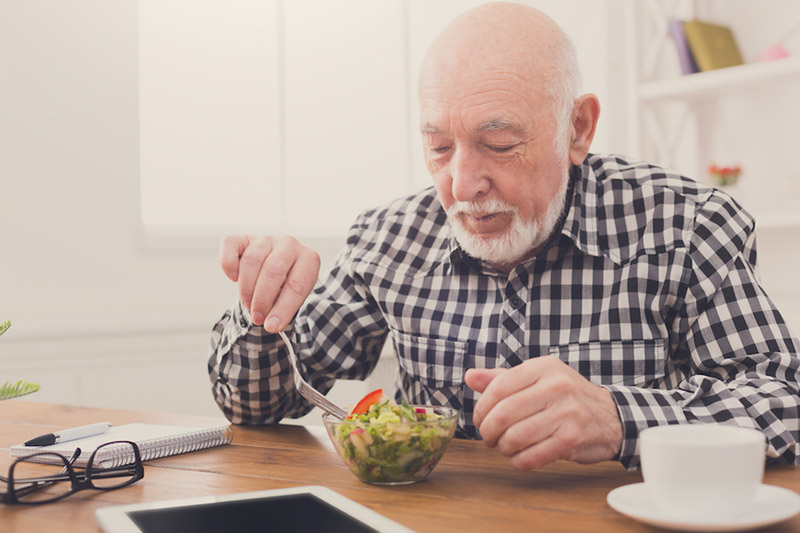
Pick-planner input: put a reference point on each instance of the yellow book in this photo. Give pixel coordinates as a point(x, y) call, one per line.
point(713, 46)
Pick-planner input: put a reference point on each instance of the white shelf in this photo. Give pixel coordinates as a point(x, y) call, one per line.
point(729, 80)
point(676, 123)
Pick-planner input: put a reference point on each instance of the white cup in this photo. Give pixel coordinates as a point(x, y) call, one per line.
point(702, 471)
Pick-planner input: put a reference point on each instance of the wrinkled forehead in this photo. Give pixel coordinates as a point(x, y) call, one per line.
point(492, 100)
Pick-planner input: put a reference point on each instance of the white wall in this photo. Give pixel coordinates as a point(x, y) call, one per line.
point(75, 273)
point(104, 316)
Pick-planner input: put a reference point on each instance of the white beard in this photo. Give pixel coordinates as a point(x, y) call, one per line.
point(521, 238)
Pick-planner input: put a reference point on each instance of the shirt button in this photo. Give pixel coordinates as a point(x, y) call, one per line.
point(516, 302)
point(243, 322)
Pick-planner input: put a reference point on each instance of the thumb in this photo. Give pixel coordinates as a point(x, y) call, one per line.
point(478, 379)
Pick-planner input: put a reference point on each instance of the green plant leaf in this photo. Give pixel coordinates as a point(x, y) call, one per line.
point(21, 387)
point(15, 390)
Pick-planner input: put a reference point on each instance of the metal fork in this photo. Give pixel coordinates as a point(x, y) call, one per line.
point(307, 391)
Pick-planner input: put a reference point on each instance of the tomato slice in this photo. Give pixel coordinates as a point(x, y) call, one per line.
point(366, 402)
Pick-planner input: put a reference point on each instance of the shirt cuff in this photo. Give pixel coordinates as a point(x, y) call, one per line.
point(639, 409)
point(236, 326)
point(241, 316)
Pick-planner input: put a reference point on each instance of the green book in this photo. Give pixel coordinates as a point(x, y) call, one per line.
point(713, 46)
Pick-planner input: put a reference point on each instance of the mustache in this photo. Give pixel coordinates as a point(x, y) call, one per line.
point(492, 205)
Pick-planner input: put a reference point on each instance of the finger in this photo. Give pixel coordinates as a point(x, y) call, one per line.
point(530, 431)
point(478, 378)
point(299, 283)
point(511, 423)
point(538, 455)
point(505, 384)
point(274, 271)
point(576, 427)
point(230, 251)
point(250, 269)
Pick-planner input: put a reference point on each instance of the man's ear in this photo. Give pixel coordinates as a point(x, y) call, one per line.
point(584, 123)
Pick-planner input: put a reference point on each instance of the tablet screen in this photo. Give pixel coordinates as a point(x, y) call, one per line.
point(296, 512)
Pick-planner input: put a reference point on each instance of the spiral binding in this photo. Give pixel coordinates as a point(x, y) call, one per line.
point(121, 454)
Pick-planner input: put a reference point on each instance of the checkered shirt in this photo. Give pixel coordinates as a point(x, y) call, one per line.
point(649, 289)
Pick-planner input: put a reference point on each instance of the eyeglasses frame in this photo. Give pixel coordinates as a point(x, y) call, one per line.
point(79, 479)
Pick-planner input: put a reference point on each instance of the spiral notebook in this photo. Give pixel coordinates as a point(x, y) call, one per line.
point(154, 441)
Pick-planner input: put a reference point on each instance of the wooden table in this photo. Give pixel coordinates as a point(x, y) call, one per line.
point(472, 489)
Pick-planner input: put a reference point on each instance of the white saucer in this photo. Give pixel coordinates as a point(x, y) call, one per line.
point(771, 505)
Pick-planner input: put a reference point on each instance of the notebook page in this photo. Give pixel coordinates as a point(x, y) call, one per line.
point(154, 440)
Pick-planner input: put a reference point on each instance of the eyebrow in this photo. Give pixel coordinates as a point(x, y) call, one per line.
point(497, 124)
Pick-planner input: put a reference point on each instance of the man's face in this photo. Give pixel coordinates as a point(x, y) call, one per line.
point(489, 145)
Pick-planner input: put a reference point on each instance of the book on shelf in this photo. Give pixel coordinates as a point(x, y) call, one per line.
point(713, 46)
point(685, 56)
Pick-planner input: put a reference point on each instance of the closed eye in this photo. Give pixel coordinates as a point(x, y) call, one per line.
point(501, 149)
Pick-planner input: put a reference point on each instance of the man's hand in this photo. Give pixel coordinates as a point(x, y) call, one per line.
point(542, 411)
point(275, 275)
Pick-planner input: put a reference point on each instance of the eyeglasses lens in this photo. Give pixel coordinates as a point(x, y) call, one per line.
point(29, 485)
point(105, 477)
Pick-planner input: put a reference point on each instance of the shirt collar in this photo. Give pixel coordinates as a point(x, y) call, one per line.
point(580, 224)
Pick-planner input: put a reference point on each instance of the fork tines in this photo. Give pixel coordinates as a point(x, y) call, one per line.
point(314, 396)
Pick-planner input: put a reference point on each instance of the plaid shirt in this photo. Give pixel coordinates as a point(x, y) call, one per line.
point(649, 289)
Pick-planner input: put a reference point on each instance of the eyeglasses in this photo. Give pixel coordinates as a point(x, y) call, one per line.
point(31, 480)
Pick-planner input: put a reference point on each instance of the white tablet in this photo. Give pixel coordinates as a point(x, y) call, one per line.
point(310, 508)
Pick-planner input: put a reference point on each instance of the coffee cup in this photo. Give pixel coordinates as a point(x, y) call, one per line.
point(702, 471)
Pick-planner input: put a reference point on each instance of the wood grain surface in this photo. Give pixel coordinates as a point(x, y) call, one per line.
point(472, 489)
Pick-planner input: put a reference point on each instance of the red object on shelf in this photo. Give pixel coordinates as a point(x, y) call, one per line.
point(726, 175)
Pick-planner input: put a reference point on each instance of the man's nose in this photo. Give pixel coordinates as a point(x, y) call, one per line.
point(469, 174)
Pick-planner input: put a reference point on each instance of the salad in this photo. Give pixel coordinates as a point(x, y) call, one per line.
point(386, 443)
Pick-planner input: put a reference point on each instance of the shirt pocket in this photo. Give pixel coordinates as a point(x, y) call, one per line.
point(632, 362)
point(436, 363)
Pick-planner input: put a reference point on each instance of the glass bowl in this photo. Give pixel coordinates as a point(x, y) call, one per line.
point(393, 453)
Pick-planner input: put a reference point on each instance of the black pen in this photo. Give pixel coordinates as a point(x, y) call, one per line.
point(70, 434)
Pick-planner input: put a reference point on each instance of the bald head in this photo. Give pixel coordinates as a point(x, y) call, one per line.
point(502, 38)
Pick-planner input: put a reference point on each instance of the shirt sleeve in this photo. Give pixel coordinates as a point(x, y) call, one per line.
point(337, 334)
point(251, 380)
point(741, 362)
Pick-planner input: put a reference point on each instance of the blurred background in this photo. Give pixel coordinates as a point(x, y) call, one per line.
point(135, 134)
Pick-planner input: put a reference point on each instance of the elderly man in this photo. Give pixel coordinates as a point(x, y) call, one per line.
point(563, 301)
